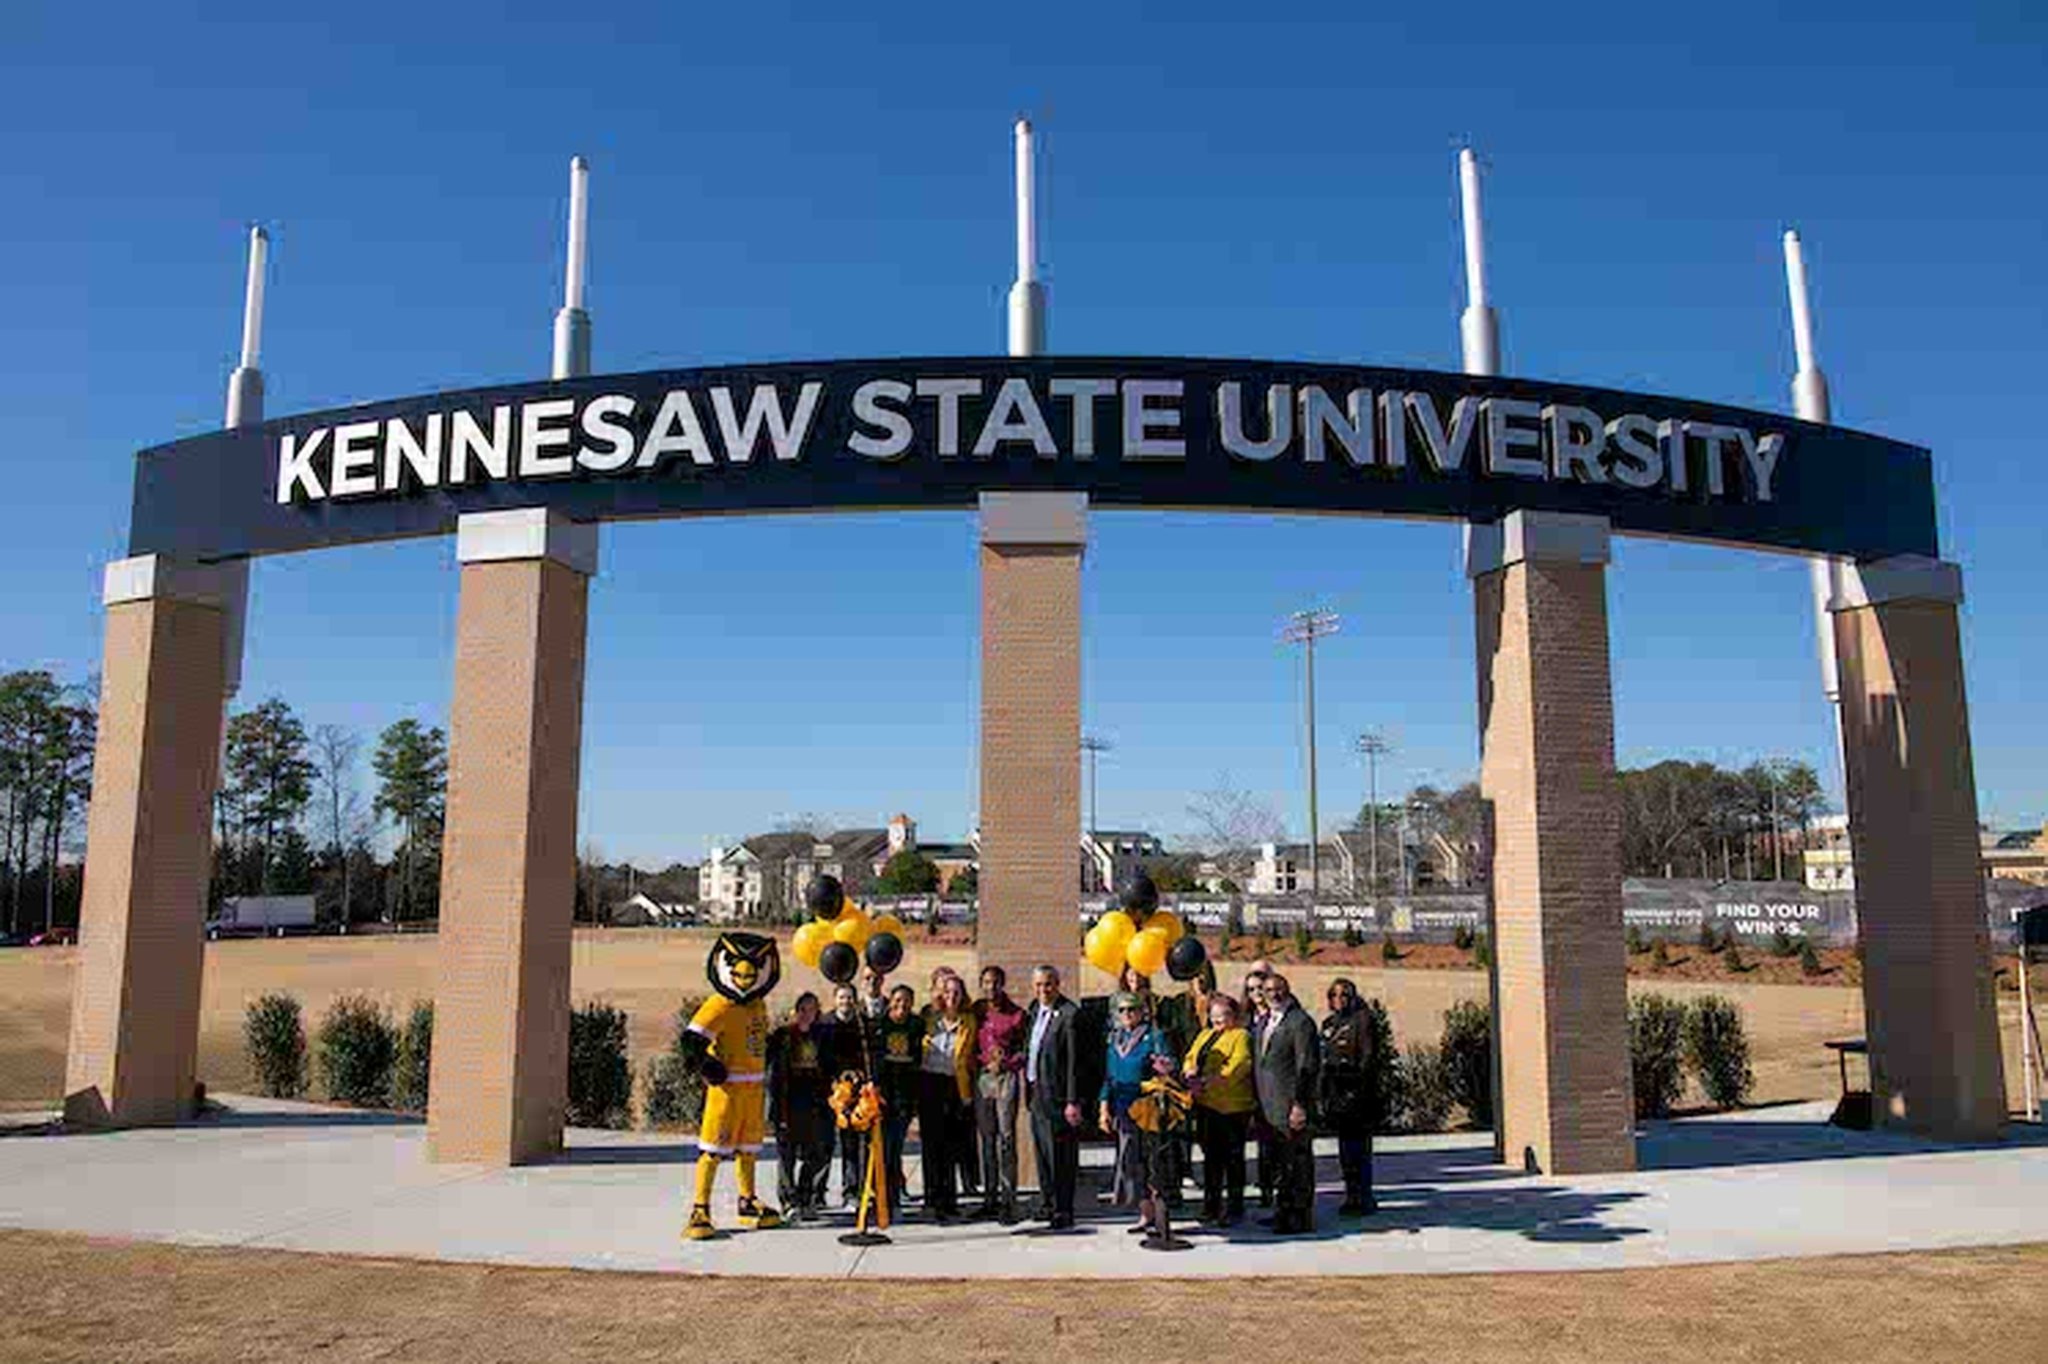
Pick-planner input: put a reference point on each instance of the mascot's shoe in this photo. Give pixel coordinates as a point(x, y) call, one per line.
point(758, 1215)
point(699, 1227)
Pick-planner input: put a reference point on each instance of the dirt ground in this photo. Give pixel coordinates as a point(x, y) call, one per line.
point(648, 972)
point(72, 1299)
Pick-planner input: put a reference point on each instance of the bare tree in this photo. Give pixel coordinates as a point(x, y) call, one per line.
point(1234, 823)
point(334, 760)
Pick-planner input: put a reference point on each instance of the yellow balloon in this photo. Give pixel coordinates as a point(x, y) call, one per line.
point(1167, 922)
point(1147, 951)
point(853, 931)
point(889, 923)
point(849, 910)
point(1103, 951)
point(1117, 927)
point(809, 940)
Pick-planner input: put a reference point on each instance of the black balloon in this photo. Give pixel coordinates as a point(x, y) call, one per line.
point(1141, 897)
point(885, 953)
point(824, 897)
point(838, 963)
point(1184, 959)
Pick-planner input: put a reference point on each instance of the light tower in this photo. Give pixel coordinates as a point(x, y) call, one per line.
point(1373, 746)
point(1305, 628)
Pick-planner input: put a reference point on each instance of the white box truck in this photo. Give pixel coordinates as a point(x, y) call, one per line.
point(255, 916)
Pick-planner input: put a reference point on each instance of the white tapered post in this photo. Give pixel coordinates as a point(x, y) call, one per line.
point(1479, 327)
point(1810, 402)
point(1027, 295)
point(572, 323)
point(245, 408)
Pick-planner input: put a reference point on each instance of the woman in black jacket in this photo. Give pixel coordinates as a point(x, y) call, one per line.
point(1349, 1086)
point(799, 1090)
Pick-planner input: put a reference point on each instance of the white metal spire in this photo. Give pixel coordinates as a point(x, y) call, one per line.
point(572, 323)
point(245, 385)
point(1810, 402)
point(1479, 327)
point(1027, 295)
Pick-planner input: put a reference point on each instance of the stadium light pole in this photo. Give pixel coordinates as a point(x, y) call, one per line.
point(1305, 628)
point(1374, 746)
point(1094, 745)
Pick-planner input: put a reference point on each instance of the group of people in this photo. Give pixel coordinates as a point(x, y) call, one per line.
point(1258, 1069)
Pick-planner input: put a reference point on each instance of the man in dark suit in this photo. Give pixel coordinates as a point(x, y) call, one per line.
point(1288, 1054)
point(1053, 1095)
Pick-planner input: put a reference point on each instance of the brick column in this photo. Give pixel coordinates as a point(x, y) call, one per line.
point(1031, 549)
point(1546, 719)
point(149, 846)
point(1927, 992)
point(508, 880)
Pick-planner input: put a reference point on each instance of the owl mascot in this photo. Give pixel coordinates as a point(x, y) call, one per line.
point(728, 1040)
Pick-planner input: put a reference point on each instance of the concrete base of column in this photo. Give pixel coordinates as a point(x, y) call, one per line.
point(499, 1089)
point(1547, 742)
point(1928, 998)
point(149, 844)
point(1031, 551)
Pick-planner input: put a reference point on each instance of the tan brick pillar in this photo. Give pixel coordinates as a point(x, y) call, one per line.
point(149, 846)
point(508, 879)
point(1546, 719)
point(1927, 991)
point(1031, 549)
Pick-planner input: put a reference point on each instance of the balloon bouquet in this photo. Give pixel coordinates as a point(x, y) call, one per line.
point(837, 938)
point(1143, 936)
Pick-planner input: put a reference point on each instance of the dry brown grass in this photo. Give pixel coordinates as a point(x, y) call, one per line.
point(648, 972)
point(72, 1299)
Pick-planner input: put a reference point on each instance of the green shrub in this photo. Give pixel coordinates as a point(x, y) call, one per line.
point(1635, 940)
point(1809, 959)
point(1386, 1086)
point(1352, 937)
point(1304, 942)
point(414, 1060)
point(1656, 1053)
point(600, 1081)
point(1710, 941)
point(1263, 943)
point(1731, 956)
point(1468, 1059)
point(1425, 1090)
point(1462, 939)
point(1660, 954)
point(1482, 951)
point(1782, 944)
point(672, 1090)
point(357, 1047)
point(276, 1039)
point(1388, 951)
point(1717, 1048)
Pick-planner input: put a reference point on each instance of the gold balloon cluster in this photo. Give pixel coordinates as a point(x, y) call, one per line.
point(854, 926)
point(1117, 941)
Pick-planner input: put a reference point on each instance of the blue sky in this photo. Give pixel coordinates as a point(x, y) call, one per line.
point(771, 184)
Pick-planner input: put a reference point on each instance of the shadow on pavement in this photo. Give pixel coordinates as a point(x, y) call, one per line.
point(1707, 1143)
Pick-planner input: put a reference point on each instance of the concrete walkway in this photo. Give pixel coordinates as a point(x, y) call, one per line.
point(1762, 1185)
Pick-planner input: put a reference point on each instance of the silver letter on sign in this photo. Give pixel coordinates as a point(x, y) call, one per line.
point(1502, 440)
point(295, 466)
point(1445, 450)
point(1015, 416)
point(1761, 457)
point(1230, 420)
point(1352, 427)
point(1576, 435)
point(867, 407)
point(1083, 393)
point(949, 392)
point(1140, 421)
point(764, 408)
point(1632, 454)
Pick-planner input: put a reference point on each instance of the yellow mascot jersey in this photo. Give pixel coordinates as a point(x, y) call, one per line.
point(738, 1034)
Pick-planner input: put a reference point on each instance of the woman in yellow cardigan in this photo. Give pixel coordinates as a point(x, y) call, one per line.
point(1219, 1074)
point(945, 1118)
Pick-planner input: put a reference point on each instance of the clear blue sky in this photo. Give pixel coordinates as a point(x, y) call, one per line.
point(769, 185)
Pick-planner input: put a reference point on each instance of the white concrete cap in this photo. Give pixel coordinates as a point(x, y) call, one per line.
point(160, 577)
point(1034, 518)
point(1535, 537)
point(526, 533)
point(1905, 577)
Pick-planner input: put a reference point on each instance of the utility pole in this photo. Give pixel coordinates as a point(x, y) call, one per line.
point(1305, 628)
point(1094, 745)
point(1374, 746)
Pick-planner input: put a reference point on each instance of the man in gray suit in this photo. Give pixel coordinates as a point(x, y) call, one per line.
point(1289, 1051)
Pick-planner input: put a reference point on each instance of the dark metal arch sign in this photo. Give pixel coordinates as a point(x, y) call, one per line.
point(935, 433)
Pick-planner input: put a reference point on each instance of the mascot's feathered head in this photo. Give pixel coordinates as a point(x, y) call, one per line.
point(743, 967)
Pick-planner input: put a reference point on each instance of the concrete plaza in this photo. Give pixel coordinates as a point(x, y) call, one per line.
point(1766, 1184)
